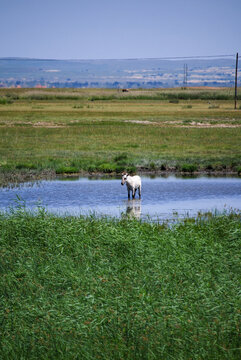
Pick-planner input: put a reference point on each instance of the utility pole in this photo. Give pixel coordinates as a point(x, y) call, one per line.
point(185, 76)
point(236, 82)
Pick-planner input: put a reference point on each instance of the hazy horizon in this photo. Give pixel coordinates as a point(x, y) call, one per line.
point(134, 73)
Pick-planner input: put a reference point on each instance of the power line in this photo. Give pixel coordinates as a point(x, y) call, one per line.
point(179, 57)
point(185, 76)
point(137, 58)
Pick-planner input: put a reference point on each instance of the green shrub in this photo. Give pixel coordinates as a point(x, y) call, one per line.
point(189, 168)
point(239, 170)
point(28, 166)
point(209, 167)
point(67, 170)
point(120, 168)
point(219, 166)
point(121, 157)
point(92, 168)
point(107, 167)
point(4, 101)
point(152, 165)
point(131, 169)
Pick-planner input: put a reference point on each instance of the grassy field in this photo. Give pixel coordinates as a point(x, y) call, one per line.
point(87, 288)
point(74, 288)
point(105, 130)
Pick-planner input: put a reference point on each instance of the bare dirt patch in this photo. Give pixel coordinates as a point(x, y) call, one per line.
point(145, 122)
point(208, 125)
point(47, 125)
point(192, 124)
point(38, 124)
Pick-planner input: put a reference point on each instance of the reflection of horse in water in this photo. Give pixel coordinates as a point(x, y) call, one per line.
point(133, 209)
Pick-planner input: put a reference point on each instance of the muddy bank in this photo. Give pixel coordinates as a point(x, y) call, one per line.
point(19, 176)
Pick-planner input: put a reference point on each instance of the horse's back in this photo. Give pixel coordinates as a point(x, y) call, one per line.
point(136, 180)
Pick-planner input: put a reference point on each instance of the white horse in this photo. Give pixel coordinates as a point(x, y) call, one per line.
point(133, 183)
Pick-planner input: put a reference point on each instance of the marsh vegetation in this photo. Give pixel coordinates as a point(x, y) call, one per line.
point(90, 288)
point(98, 130)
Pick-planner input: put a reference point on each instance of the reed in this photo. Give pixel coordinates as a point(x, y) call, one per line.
point(88, 288)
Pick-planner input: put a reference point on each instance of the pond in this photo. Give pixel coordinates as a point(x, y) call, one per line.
point(162, 198)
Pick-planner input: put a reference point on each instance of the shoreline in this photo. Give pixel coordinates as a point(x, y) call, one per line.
point(18, 177)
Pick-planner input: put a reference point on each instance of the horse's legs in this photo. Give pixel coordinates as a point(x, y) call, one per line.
point(139, 191)
point(133, 193)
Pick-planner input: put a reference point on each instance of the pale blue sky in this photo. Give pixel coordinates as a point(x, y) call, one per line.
point(106, 29)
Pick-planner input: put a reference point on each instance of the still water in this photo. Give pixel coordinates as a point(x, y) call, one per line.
point(162, 198)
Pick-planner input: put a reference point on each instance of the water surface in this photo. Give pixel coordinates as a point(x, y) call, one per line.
point(162, 198)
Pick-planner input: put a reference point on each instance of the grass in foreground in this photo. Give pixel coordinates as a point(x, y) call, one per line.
point(75, 288)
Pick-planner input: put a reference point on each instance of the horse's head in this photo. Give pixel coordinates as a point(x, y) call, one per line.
point(124, 177)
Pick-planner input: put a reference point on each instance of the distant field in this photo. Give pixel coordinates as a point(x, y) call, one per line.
point(69, 130)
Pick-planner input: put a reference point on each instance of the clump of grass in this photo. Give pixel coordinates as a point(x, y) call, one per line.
point(152, 165)
point(163, 167)
point(107, 167)
point(81, 106)
point(209, 167)
point(174, 101)
point(92, 168)
point(187, 106)
point(28, 166)
point(67, 170)
point(219, 166)
point(5, 101)
point(46, 97)
point(122, 164)
point(121, 157)
point(131, 169)
point(120, 168)
point(190, 168)
point(87, 288)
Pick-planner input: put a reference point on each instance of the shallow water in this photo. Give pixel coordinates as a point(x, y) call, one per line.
point(162, 198)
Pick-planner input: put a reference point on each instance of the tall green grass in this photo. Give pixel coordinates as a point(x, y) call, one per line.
point(87, 288)
point(169, 95)
point(5, 100)
point(51, 97)
point(115, 94)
